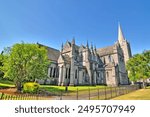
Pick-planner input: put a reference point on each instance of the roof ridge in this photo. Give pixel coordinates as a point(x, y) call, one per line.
point(47, 46)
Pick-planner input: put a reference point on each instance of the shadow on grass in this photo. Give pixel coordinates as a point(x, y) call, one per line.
point(148, 87)
point(4, 87)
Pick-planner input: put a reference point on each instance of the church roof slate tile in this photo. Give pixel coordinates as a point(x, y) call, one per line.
point(105, 51)
point(53, 54)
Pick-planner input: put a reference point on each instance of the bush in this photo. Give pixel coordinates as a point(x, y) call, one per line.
point(31, 87)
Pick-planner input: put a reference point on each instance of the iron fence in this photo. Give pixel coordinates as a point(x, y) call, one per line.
point(98, 94)
point(90, 94)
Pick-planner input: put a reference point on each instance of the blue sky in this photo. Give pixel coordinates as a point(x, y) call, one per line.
point(52, 22)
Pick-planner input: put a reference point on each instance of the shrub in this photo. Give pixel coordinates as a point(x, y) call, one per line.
point(31, 87)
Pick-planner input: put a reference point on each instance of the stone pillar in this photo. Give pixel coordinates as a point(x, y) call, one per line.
point(68, 74)
point(89, 70)
point(81, 77)
point(72, 74)
point(60, 75)
point(120, 77)
point(72, 78)
point(90, 76)
point(63, 76)
point(115, 81)
point(57, 72)
point(49, 72)
point(94, 80)
point(76, 80)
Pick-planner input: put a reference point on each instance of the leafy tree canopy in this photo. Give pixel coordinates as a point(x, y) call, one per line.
point(24, 62)
point(139, 66)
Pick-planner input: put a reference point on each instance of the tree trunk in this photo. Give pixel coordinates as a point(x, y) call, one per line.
point(144, 84)
point(132, 82)
point(18, 85)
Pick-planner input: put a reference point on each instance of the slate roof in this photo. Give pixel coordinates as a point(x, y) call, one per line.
point(53, 54)
point(105, 51)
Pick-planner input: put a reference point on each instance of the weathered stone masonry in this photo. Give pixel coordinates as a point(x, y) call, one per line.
point(84, 65)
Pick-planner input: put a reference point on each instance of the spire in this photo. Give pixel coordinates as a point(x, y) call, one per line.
point(62, 46)
point(95, 47)
point(120, 34)
point(73, 40)
point(87, 45)
point(91, 46)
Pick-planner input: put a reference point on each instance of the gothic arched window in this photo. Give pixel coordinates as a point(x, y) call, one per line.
point(76, 74)
point(54, 72)
point(104, 61)
point(51, 71)
point(69, 74)
point(110, 58)
point(107, 74)
point(66, 73)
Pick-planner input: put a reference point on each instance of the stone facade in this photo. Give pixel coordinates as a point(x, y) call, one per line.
point(84, 65)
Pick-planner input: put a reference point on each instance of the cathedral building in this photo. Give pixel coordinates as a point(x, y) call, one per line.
point(87, 65)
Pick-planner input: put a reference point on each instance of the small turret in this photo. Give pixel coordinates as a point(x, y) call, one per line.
point(91, 47)
point(95, 50)
point(92, 50)
point(62, 46)
point(87, 45)
point(95, 47)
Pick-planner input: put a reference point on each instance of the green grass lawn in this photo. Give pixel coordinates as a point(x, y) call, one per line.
point(4, 83)
point(142, 94)
point(70, 88)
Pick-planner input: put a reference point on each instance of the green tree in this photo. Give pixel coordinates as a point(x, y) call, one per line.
point(131, 70)
point(139, 67)
point(25, 62)
point(1, 64)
